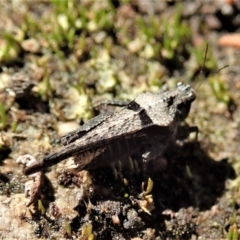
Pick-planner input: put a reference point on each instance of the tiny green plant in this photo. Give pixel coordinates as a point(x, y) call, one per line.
point(3, 116)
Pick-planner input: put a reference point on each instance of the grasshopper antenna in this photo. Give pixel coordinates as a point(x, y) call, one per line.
point(220, 69)
point(199, 81)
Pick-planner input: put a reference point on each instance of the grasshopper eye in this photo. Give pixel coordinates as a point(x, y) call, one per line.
point(170, 101)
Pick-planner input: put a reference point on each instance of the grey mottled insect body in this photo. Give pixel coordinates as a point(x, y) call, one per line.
point(145, 125)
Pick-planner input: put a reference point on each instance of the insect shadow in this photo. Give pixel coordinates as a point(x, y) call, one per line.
point(192, 178)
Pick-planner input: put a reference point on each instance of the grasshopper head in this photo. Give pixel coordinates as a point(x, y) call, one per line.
point(179, 100)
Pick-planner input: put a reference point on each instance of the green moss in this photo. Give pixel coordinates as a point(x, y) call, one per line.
point(233, 232)
point(41, 208)
point(220, 89)
point(3, 116)
point(44, 87)
point(87, 232)
point(10, 49)
point(149, 187)
point(68, 229)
